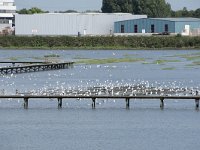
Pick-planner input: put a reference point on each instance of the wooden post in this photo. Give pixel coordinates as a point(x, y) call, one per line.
point(13, 64)
point(59, 103)
point(197, 100)
point(197, 103)
point(25, 103)
point(93, 103)
point(127, 103)
point(162, 103)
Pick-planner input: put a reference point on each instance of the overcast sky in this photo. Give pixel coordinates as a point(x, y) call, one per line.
point(82, 5)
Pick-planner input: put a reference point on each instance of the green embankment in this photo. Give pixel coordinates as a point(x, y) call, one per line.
point(129, 42)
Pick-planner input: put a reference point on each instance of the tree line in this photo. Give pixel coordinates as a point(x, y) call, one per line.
point(153, 8)
point(35, 10)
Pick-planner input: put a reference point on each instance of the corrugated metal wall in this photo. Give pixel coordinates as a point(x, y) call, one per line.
point(69, 24)
point(159, 25)
point(180, 25)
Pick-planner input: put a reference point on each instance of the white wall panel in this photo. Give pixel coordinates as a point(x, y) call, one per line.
point(69, 24)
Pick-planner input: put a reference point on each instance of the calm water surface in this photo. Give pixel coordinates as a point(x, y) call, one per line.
point(110, 126)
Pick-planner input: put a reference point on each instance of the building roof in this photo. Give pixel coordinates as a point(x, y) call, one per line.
point(179, 19)
point(183, 19)
point(80, 14)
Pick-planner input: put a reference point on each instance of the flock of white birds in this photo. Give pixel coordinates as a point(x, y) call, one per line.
point(91, 87)
point(106, 88)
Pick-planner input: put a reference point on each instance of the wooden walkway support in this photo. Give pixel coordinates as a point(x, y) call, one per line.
point(197, 100)
point(25, 103)
point(127, 99)
point(197, 103)
point(127, 103)
point(60, 102)
point(94, 103)
point(35, 68)
point(162, 103)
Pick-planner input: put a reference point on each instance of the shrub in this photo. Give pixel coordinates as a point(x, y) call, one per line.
point(129, 42)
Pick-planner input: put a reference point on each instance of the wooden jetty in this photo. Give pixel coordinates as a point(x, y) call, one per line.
point(34, 67)
point(94, 98)
point(22, 62)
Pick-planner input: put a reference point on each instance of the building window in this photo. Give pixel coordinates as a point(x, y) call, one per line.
point(166, 28)
point(122, 28)
point(135, 28)
point(152, 28)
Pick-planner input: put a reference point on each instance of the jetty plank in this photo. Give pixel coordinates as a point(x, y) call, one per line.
point(127, 98)
point(100, 97)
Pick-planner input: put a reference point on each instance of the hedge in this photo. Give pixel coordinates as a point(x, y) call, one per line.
point(100, 42)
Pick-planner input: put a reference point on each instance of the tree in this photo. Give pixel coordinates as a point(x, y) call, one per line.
point(113, 6)
point(92, 11)
point(126, 6)
point(107, 6)
point(153, 8)
point(66, 11)
point(23, 11)
point(185, 13)
point(197, 13)
point(33, 10)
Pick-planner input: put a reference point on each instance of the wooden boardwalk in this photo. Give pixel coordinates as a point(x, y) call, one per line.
point(93, 98)
point(22, 62)
point(34, 68)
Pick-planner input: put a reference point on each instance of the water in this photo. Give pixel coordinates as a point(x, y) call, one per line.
point(99, 129)
point(110, 126)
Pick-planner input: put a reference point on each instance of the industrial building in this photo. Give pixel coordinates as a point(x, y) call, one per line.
point(149, 26)
point(7, 10)
point(71, 24)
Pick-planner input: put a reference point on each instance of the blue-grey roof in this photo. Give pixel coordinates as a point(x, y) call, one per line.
point(186, 19)
point(179, 19)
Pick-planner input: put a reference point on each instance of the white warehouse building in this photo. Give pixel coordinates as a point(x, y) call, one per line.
point(71, 24)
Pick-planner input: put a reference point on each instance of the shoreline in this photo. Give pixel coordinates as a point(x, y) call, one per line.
point(96, 48)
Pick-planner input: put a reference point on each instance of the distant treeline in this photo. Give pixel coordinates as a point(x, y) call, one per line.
point(153, 8)
point(157, 9)
point(129, 42)
point(35, 10)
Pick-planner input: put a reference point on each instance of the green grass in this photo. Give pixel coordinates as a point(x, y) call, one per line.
point(189, 57)
point(169, 68)
point(192, 57)
point(13, 58)
point(51, 55)
point(163, 61)
point(129, 55)
point(109, 60)
point(194, 63)
point(79, 57)
point(37, 58)
point(146, 63)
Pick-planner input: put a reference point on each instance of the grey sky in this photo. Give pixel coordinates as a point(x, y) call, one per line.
point(82, 5)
